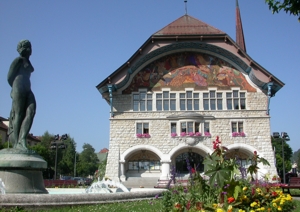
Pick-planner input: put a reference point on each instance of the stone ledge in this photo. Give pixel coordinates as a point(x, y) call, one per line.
point(51, 200)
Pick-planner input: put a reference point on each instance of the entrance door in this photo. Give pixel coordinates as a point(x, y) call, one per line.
point(195, 160)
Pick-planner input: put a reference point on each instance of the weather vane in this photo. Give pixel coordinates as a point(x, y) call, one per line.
point(185, 2)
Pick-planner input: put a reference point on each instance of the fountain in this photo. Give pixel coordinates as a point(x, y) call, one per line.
point(104, 187)
point(2, 187)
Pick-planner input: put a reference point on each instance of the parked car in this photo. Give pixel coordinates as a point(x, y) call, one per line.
point(66, 178)
point(80, 180)
point(88, 181)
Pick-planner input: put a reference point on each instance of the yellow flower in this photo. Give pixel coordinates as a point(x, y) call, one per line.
point(229, 209)
point(245, 188)
point(253, 204)
point(220, 210)
point(215, 205)
point(274, 204)
point(279, 208)
point(240, 210)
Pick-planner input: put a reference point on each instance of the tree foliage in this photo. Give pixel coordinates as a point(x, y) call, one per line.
point(289, 6)
point(288, 152)
point(88, 161)
point(65, 157)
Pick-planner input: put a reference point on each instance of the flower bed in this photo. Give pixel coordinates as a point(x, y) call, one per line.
point(223, 192)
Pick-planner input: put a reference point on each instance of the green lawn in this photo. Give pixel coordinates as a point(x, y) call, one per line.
point(154, 205)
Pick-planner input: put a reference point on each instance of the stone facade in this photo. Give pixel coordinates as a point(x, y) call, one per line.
point(123, 140)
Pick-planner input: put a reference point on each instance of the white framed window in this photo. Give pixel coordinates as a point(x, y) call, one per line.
point(165, 101)
point(189, 101)
point(236, 100)
point(206, 127)
point(173, 127)
point(142, 101)
point(142, 128)
point(213, 100)
point(237, 126)
point(189, 126)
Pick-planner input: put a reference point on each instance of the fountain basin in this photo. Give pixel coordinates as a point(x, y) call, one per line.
point(50, 200)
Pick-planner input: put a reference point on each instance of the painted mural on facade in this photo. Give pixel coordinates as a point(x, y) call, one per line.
point(188, 70)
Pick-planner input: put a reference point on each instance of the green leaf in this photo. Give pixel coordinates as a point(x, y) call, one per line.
point(237, 190)
point(219, 175)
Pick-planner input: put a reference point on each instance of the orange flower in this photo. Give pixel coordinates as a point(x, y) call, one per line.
point(177, 205)
point(199, 205)
point(230, 200)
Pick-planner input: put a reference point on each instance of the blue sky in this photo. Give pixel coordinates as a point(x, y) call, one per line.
point(77, 44)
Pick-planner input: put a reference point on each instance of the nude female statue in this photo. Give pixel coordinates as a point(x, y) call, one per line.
point(23, 100)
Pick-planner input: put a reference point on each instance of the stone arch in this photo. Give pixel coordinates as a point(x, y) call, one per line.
point(247, 148)
point(136, 148)
point(198, 148)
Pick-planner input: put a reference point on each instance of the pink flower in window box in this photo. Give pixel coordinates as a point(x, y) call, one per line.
point(173, 134)
point(238, 134)
point(242, 134)
point(183, 134)
point(191, 134)
point(198, 134)
point(235, 134)
point(207, 134)
point(139, 135)
point(146, 135)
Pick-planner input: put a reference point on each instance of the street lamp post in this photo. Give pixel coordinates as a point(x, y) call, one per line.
point(75, 165)
point(284, 137)
point(58, 143)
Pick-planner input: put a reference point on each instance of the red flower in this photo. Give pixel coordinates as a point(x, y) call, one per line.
point(230, 200)
point(216, 143)
point(188, 205)
point(274, 193)
point(255, 153)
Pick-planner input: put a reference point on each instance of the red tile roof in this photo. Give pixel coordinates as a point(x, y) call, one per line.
point(104, 150)
point(187, 25)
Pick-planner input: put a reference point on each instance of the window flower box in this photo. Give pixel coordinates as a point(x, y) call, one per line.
point(238, 134)
point(198, 134)
point(183, 134)
point(144, 135)
point(207, 134)
point(173, 134)
point(190, 134)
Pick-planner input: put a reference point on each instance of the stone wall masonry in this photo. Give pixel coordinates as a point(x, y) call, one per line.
point(123, 129)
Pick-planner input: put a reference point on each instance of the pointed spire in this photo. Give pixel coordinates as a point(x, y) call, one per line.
point(240, 40)
point(185, 2)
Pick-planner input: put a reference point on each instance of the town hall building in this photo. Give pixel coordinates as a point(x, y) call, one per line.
point(188, 83)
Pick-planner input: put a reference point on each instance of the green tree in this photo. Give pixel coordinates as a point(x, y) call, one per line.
point(289, 6)
point(88, 161)
point(288, 152)
point(65, 157)
point(101, 170)
point(67, 162)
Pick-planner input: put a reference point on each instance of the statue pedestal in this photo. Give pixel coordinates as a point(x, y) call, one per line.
point(21, 171)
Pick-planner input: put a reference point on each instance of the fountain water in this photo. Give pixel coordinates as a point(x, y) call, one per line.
point(104, 187)
point(2, 187)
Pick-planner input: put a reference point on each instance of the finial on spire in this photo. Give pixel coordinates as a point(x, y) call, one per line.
point(185, 2)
